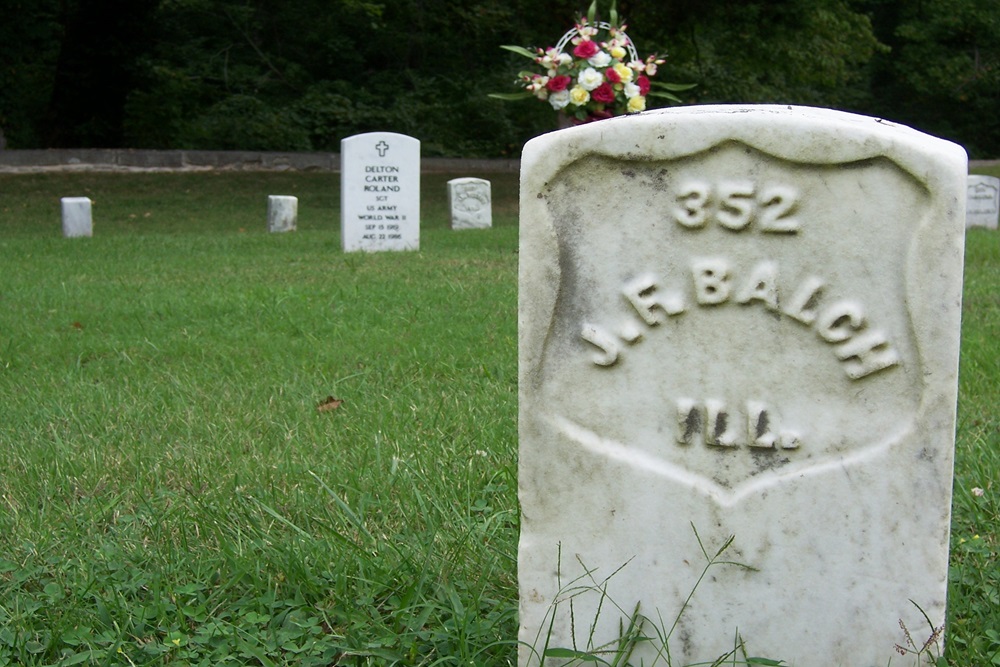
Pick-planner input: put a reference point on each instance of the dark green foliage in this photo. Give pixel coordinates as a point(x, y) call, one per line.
point(272, 75)
point(783, 51)
point(29, 48)
point(942, 74)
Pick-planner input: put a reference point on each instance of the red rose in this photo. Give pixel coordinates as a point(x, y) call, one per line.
point(558, 83)
point(604, 93)
point(612, 75)
point(585, 49)
point(643, 83)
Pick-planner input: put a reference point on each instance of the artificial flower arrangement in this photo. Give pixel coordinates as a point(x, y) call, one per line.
point(600, 76)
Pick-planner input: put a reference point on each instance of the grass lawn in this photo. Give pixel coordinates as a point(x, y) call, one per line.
point(170, 492)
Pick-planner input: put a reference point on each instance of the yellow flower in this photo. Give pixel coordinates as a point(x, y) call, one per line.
point(579, 96)
point(637, 103)
point(617, 52)
point(624, 72)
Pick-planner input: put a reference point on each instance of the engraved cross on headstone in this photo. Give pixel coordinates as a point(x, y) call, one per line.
point(381, 147)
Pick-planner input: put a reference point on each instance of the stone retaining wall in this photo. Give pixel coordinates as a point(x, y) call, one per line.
point(129, 159)
point(111, 159)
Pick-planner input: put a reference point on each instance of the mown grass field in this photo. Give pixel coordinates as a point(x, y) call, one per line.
point(170, 492)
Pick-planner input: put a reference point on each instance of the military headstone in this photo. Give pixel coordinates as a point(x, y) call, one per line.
point(379, 192)
point(282, 213)
point(471, 203)
point(982, 201)
point(738, 321)
point(77, 219)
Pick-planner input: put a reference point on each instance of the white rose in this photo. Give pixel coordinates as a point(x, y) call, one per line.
point(590, 78)
point(631, 90)
point(559, 99)
point(601, 59)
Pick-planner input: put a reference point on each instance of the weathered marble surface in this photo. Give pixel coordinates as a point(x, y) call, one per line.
point(470, 201)
point(983, 201)
point(282, 213)
point(77, 217)
point(742, 321)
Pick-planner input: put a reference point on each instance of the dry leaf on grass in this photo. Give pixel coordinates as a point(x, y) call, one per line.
point(328, 403)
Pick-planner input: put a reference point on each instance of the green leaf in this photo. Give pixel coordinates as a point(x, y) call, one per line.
point(354, 519)
point(765, 661)
point(592, 12)
point(79, 658)
point(510, 96)
point(34, 646)
point(282, 519)
point(673, 86)
point(53, 590)
point(666, 96)
point(247, 648)
point(573, 654)
point(519, 50)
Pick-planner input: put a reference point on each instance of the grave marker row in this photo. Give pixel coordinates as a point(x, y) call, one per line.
point(380, 198)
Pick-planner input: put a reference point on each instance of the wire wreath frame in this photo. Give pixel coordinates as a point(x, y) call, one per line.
point(601, 25)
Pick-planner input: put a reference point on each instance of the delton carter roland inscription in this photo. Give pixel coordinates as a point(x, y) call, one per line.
point(380, 192)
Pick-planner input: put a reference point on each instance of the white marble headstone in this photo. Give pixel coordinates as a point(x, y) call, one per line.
point(282, 213)
point(77, 219)
point(982, 201)
point(471, 203)
point(741, 321)
point(379, 192)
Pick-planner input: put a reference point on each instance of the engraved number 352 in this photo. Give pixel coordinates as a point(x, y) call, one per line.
point(736, 205)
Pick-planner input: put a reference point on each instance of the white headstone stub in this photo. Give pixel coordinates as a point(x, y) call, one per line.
point(282, 213)
point(470, 201)
point(77, 218)
point(379, 192)
point(983, 201)
point(737, 321)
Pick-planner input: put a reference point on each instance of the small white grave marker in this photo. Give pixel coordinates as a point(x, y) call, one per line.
point(982, 208)
point(282, 213)
point(76, 217)
point(742, 321)
point(379, 192)
point(470, 202)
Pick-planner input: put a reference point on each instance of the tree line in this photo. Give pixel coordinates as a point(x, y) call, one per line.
point(278, 75)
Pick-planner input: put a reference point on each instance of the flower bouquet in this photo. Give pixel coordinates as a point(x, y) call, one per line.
point(593, 72)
